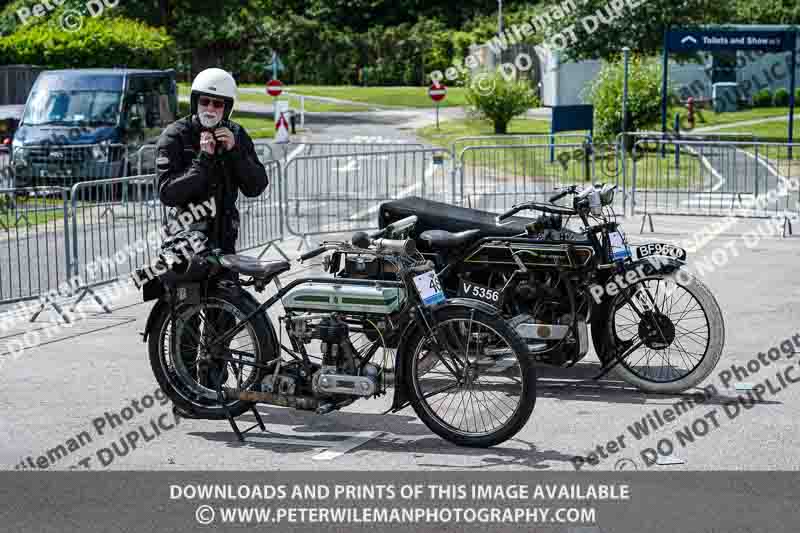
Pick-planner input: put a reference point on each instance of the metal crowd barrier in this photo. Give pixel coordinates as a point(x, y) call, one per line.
point(49, 234)
point(536, 139)
point(496, 177)
point(113, 232)
point(342, 193)
point(714, 178)
point(143, 161)
point(34, 242)
point(336, 148)
point(261, 218)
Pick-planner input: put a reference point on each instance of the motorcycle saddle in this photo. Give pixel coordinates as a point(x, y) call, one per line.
point(439, 239)
point(250, 266)
point(433, 215)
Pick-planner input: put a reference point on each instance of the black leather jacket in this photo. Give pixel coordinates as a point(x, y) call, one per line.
point(186, 175)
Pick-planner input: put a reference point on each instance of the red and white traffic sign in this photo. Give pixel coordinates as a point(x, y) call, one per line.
point(437, 92)
point(274, 88)
point(281, 130)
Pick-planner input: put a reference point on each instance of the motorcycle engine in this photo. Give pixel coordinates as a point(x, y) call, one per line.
point(545, 320)
point(342, 372)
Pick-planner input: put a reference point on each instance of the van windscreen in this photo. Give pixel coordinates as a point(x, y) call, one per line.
point(78, 81)
point(72, 107)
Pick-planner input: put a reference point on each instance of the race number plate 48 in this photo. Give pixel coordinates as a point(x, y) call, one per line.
point(469, 289)
point(429, 288)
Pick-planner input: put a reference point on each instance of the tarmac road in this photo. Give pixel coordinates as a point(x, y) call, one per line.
point(87, 375)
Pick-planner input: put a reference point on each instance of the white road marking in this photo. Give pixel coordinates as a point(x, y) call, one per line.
point(374, 209)
point(669, 460)
point(345, 446)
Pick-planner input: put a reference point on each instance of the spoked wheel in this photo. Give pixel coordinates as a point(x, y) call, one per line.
point(672, 332)
point(476, 387)
point(187, 366)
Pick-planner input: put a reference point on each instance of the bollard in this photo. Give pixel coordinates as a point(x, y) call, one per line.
point(677, 137)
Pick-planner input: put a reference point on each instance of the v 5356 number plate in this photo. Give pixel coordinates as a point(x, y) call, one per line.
point(469, 289)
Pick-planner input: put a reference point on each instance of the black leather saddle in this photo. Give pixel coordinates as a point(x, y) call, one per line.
point(440, 216)
point(438, 239)
point(250, 266)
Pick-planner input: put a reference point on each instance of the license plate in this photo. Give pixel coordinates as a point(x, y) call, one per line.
point(469, 289)
point(658, 248)
point(619, 250)
point(429, 288)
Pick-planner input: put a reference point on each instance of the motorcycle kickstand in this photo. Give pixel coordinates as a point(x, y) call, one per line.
point(232, 421)
point(616, 360)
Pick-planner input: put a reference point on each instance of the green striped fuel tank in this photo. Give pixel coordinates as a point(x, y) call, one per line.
point(345, 298)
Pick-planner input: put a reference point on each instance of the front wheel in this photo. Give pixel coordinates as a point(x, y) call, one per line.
point(473, 384)
point(671, 328)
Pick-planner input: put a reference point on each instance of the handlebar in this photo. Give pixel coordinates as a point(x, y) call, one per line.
point(382, 246)
point(558, 196)
point(511, 212)
point(313, 253)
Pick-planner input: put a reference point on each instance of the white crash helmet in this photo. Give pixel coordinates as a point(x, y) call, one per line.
point(216, 83)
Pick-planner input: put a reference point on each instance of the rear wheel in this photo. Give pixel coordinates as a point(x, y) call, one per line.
point(183, 361)
point(478, 388)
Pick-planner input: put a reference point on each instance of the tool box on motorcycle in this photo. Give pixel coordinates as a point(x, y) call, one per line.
point(438, 215)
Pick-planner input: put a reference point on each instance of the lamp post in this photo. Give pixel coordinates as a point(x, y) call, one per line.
point(626, 52)
point(499, 18)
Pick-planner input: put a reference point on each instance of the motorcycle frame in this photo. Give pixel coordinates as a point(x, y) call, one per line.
point(600, 262)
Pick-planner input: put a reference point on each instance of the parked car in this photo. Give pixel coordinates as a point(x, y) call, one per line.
point(88, 124)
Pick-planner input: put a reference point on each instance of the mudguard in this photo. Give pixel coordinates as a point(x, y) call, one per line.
point(154, 312)
point(655, 264)
point(163, 303)
point(400, 393)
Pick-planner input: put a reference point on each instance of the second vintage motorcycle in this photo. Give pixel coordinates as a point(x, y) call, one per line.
point(657, 326)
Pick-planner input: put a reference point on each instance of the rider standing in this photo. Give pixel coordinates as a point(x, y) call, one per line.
point(201, 157)
point(198, 152)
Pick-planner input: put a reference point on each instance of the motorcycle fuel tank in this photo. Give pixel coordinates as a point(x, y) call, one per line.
point(345, 299)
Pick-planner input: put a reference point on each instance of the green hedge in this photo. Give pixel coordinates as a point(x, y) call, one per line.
point(100, 42)
point(762, 98)
point(644, 96)
point(781, 98)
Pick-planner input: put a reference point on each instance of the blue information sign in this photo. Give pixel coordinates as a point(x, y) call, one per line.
point(763, 40)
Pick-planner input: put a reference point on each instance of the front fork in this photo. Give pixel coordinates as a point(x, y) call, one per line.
point(454, 365)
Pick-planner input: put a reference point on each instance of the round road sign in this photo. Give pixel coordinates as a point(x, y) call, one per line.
point(274, 88)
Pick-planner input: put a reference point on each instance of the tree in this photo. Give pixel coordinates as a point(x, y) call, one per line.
point(500, 99)
point(600, 34)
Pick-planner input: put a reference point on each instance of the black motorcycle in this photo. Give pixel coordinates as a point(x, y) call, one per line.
point(657, 326)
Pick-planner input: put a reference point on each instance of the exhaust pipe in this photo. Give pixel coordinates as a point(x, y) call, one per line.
point(305, 403)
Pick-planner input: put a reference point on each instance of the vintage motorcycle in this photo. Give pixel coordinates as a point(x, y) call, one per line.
point(657, 326)
point(352, 335)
